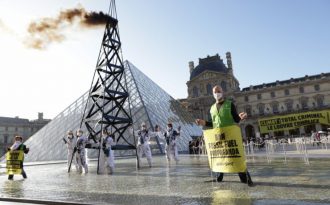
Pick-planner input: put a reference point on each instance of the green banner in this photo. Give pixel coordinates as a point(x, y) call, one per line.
point(293, 121)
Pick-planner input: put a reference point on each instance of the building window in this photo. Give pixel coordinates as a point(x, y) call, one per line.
point(286, 92)
point(5, 139)
point(248, 110)
point(317, 87)
point(275, 108)
point(209, 89)
point(272, 94)
point(16, 129)
point(195, 92)
point(289, 106)
point(224, 85)
point(304, 103)
point(261, 109)
point(319, 102)
point(259, 96)
point(6, 128)
point(301, 89)
point(246, 98)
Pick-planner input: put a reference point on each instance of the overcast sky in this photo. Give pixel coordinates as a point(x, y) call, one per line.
point(269, 40)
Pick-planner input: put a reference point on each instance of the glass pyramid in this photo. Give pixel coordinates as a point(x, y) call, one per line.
point(148, 102)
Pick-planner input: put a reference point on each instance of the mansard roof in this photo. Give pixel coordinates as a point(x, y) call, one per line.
point(210, 63)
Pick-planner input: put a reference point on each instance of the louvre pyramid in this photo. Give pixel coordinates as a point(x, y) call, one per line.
point(148, 102)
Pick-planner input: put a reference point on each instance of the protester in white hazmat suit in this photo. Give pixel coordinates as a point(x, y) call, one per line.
point(143, 147)
point(171, 148)
point(107, 155)
point(70, 142)
point(81, 151)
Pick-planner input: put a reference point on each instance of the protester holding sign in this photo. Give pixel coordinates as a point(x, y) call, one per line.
point(15, 158)
point(224, 142)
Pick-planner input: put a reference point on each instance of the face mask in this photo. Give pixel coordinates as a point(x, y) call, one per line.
point(217, 96)
point(144, 128)
point(169, 128)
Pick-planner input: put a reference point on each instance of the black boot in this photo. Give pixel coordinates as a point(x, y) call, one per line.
point(220, 177)
point(249, 180)
point(245, 178)
point(10, 177)
point(242, 177)
point(24, 174)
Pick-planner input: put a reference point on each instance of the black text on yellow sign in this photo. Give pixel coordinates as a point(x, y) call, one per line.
point(225, 149)
point(14, 162)
point(293, 121)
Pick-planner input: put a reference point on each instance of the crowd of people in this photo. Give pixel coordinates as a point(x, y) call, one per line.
point(76, 153)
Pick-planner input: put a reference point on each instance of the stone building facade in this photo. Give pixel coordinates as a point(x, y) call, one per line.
point(296, 95)
point(10, 127)
point(308, 93)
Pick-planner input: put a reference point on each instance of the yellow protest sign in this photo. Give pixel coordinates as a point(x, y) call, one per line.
point(14, 162)
point(293, 121)
point(225, 149)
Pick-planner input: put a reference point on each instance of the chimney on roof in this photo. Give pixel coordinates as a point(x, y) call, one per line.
point(191, 66)
point(229, 63)
point(40, 115)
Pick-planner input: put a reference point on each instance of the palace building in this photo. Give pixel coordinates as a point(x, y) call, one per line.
point(280, 98)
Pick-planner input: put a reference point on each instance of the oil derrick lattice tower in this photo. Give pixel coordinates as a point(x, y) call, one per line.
point(108, 104)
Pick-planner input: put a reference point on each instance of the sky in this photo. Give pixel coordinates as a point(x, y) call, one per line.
point(269, 40)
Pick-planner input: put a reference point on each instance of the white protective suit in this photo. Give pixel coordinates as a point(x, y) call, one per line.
point(70, 142)
point(171, 147)
point(107, 155)
point(81, 154)
point(143, 146)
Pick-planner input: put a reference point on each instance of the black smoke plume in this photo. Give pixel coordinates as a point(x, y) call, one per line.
point(49, 30)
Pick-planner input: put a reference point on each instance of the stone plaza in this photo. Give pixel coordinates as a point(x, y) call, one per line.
point(189, 182)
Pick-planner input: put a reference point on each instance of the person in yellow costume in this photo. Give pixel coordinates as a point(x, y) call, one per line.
point(223, 114)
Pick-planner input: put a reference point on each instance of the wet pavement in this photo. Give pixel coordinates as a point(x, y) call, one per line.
point(186, 183)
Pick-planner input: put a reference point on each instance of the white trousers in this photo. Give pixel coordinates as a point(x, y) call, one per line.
point(74, 162)
point(171, 149)
point(144, 149)
point(107, 164)
point(81, 161)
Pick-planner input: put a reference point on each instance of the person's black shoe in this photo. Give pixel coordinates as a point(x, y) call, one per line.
point(10, 177)
point(243, 177)
point(220, 177)
point(250, 183)
point(24, 175)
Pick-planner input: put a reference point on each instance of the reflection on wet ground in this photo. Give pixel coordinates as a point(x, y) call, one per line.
point(188, 183)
